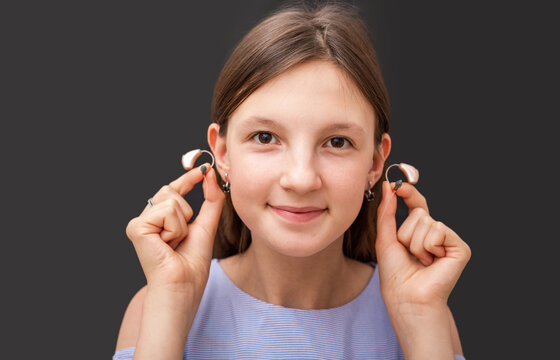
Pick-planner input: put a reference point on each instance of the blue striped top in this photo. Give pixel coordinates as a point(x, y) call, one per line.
point(231, 324)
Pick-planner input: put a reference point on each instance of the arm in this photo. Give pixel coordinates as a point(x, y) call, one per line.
point(418, 267)
point(157, 324)
point(426, 332)
point(176, 258)
point(130, 326)
point(457, 348)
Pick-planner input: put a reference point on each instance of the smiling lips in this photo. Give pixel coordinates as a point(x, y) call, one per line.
point(295, 214)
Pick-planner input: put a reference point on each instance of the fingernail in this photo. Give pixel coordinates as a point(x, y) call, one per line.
point(203, 169)
point(398, 184)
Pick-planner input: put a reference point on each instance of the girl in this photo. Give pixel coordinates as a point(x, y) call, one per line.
point(295, 252)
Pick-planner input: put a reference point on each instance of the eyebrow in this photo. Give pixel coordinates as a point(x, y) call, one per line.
point(261, 120)
point(277, 124)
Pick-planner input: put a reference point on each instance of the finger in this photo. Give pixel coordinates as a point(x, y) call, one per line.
point(144, 233)
point(174, 243)
point(179, 232)
point(412, 197)
point(386, 222)
point(206, 222)
point(187, 181)
point(417, 243)
point(435, 239)
point(407, 228)
point(166, 192)
point(211, 208)
point(148, 245)
point(173, 224)
point(147, 229)
point(186, 210)
point(454, 246)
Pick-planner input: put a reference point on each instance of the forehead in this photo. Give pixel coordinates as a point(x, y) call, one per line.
point(308, 94)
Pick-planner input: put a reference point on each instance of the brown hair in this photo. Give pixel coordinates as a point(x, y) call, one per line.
point(290, 36)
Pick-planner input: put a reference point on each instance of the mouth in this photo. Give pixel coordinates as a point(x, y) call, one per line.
point(297, 214)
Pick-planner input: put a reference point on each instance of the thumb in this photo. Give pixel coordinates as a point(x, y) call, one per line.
point(203, 229)
point(386, 222)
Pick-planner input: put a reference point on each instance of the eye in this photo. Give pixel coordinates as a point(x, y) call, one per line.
point(338, 142)
point(263, 137)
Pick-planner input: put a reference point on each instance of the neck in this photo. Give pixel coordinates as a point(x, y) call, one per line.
point(324, 280)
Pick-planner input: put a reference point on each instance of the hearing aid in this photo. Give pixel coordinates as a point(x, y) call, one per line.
point(409, 171)
point(411, 174)
point(189, 158)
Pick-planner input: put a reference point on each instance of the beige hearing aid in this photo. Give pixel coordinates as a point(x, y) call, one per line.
point(189, 158)
point(409, 171)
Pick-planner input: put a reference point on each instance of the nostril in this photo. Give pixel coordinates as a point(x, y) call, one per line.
point(303, 180)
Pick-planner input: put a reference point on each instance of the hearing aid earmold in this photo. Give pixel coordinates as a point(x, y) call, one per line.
point(189, 158)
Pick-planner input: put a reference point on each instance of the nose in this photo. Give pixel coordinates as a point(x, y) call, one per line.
point(300, 173)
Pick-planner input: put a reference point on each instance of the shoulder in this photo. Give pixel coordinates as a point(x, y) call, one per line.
point(130, 326)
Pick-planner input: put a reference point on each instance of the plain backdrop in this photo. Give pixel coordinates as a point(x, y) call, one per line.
point(101, 99)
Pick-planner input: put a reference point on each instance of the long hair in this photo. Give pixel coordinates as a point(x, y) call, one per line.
point(292, 35)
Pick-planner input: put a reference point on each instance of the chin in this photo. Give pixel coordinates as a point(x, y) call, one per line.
point(296, 247)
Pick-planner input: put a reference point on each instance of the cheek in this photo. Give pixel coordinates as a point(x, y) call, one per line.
point(255, 176)
point(251, 172)
point(347, 175)
point(251, 180)
point(346, 186)
point(349, 191)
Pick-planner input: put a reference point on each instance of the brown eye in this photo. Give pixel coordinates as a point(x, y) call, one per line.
point(263, 138)
point(337, 142)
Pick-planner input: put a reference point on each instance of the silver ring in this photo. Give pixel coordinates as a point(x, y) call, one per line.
point(150, 202)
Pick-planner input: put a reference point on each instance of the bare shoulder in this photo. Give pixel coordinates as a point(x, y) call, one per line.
point(130, 326)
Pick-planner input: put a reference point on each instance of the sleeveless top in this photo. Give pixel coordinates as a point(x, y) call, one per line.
point(231, 324)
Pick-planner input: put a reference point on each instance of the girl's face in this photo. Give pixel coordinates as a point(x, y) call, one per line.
point(299, 153)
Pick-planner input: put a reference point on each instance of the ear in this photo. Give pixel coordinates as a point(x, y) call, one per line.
point(218, 145)
point(379, 156)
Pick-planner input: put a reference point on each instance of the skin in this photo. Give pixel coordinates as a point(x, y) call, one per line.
point(315, 149)
point(308, 110)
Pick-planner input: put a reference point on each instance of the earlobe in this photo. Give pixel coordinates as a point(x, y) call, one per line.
point(218, 145)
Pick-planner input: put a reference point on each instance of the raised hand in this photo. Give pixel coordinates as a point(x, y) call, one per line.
point(171, 251)
point(421, 263)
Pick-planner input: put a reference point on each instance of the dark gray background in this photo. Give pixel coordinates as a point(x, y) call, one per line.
point(99, 101)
